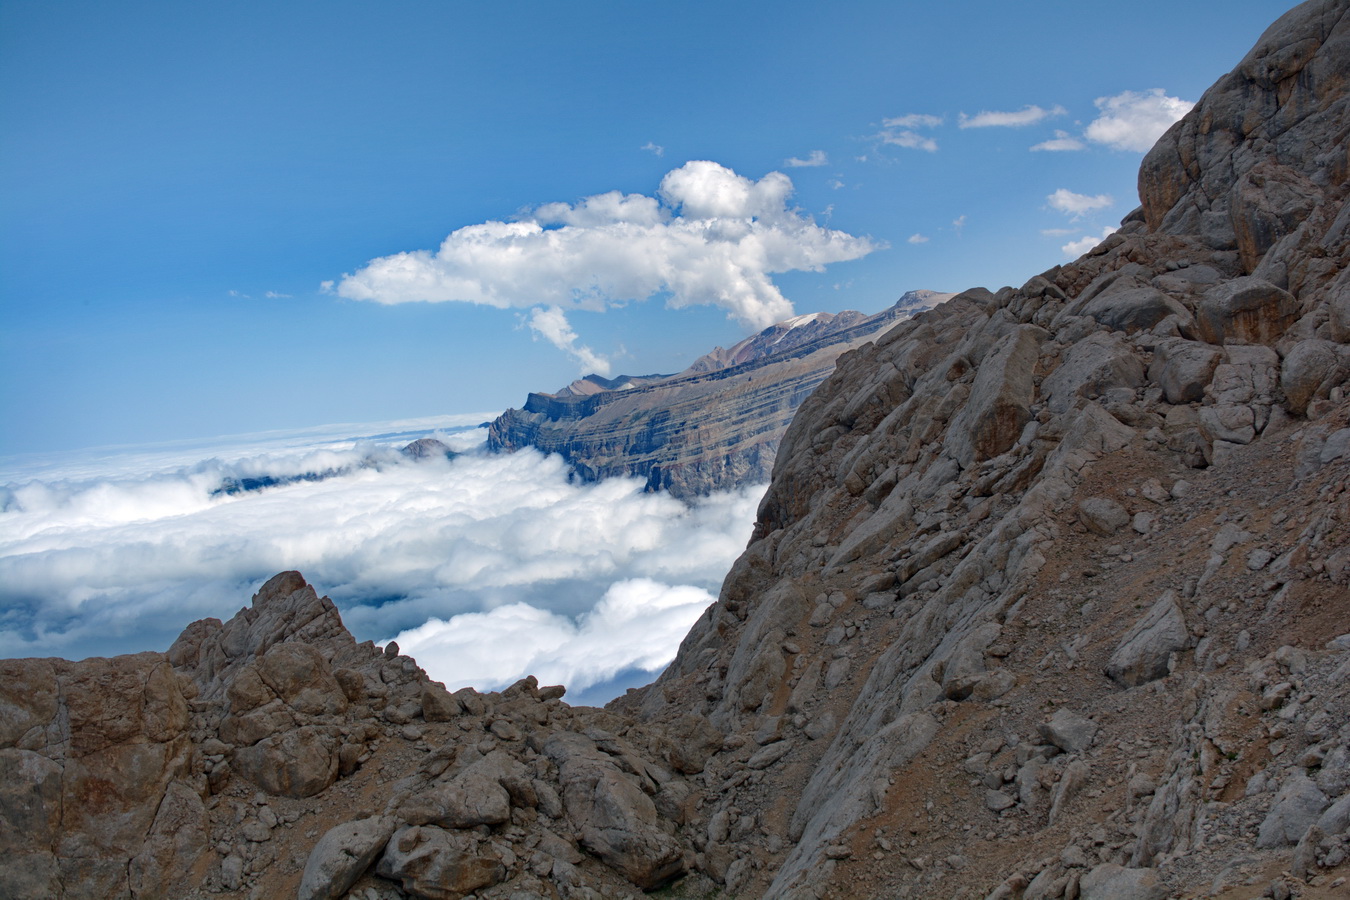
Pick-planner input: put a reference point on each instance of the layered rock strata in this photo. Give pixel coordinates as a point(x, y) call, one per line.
point(715, 426)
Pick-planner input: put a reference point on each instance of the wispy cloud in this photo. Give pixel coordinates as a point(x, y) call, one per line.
point(1077, 205)
point(1135, 121)
point(710, 236)
point(814, 158)
point(917, 239)
point(1075, 249)
point(1028, 115)
point(550, 323)
point(276, 295)
point(655, 149)
point(959, 223)
point(902, 131)
point(1062, 141)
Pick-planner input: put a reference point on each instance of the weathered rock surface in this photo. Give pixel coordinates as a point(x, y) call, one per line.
point(714, 426)
point(926, 677)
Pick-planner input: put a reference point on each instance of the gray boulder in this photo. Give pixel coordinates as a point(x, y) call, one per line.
point(1310, 370)
point(1102, 515)
point(1112, 882)
point(1184, 368)
point(1133, 308)
point(1000, 399)
point(1069, 731)
point(1096, 364)
point(342, 855)
point(1297, 806)
point(434, 864)
point(1143, 653)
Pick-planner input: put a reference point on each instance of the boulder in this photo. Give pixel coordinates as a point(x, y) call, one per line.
point(1112, 882)
point(1098, 363)
point(1069, 731)
point(1133, 308)
point(1183, 369)
point(999, 405)
point(1311, 368)
point(616, 819)
point(299, 675)
point(434, 864)
point(1245, 310)
point(472, 797)
point(438, 704)
point(1102, 515)
point(1296, 807)
point(298, 763)
point(1144, 652)
point(342, 855)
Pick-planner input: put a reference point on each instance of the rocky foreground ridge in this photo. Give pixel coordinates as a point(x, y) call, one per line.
point(1049, 597)
point(714, 426)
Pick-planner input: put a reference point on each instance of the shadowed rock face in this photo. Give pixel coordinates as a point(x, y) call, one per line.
point(1048, 597)
point(714, 426)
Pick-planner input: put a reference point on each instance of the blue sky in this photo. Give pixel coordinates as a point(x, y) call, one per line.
point(180, 181)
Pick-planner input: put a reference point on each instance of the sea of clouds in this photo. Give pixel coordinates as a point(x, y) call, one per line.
point(484, 567)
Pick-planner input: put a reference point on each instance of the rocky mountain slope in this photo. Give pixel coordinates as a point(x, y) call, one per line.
point(715, 425)
point(1049, 597)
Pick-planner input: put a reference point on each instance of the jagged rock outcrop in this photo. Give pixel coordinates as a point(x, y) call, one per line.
point(714, 426)
point(1116, 495)
point(272, 755)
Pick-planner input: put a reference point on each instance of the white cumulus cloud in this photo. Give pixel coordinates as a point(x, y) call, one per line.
point(1135, 120)
point(1075, 249)
point(637, 624)
point(917, 239)
point(1062, 141)
point(1078, 205)
point(815, 158)
point(710, 236)
point(1028, 115)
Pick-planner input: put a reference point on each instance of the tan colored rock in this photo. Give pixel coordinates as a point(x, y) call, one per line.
point(298, 763)
point(1245, 310)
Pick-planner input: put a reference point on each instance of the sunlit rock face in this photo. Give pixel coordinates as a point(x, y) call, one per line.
point(1048, 597)
point(716, 425)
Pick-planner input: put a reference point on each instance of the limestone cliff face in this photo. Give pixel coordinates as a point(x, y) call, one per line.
point(712, 427)
point(1045, 594)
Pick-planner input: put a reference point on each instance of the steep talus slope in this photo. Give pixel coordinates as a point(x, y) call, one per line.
point(714, 426)
point(1040, 596)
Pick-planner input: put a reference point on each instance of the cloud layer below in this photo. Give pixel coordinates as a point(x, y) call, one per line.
point(709, 236)
point(486, 567)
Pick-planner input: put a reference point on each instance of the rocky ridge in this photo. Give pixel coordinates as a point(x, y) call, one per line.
point(1048, 597)
point(714, 426)
point(1048, 594)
